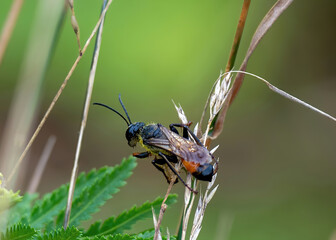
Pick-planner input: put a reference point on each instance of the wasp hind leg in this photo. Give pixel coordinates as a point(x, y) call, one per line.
point(161, 165)
point(186, 129)
point(176, 173)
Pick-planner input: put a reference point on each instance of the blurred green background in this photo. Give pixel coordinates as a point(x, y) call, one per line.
point(277, 159)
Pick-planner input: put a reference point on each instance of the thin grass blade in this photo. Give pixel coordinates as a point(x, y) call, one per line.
point(84, 118)
point(273, 14)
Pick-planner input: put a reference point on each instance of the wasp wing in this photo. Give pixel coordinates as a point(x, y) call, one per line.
point(180, 146)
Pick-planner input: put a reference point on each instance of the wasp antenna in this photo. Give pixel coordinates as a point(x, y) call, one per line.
point(123, 106)
point(103, 105)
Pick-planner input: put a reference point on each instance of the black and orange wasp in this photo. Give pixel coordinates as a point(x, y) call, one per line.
point(167, 147)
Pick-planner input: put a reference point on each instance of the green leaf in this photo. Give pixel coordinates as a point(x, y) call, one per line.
point(149, 234)
point(126, 219)
point(113, 237)
point(53, 204)
point(146, 234)
point(18, 232)
point(61, 234)
point(46, 209)
point(93, 197)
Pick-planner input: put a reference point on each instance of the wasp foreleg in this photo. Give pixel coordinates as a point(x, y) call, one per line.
point(142, 155)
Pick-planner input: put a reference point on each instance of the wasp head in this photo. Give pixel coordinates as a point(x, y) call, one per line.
point(132, 133)
point(204, 172)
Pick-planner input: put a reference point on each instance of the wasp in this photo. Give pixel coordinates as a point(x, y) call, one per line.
point(169, 147)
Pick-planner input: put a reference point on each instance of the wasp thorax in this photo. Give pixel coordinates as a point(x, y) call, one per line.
point(132, 133)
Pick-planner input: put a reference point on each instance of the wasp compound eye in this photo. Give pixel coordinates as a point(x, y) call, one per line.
point(132, 133)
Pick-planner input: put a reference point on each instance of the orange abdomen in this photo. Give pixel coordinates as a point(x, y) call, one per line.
point(191, 167)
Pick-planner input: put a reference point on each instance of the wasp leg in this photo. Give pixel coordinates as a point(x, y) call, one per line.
point(161, 165)
point(170, 158)
point(186, 130)
point(142, 155)
point(176, 173)
point(173, 129)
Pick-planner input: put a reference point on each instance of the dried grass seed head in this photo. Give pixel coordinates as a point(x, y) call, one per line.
point(220, 93)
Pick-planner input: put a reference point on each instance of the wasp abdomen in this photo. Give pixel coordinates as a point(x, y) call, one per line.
point(201, 172)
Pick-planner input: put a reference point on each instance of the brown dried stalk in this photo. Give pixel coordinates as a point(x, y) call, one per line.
point(9, 26)
point(238, 36)
point(75, 24)
point(232, 57)
point(163, 209)
point(273, 14)
point(84, 119)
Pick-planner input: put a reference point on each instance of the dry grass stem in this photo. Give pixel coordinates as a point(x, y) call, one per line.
point(200, 210)
point(168, 234)
point(189, 198)
point(233, 54)
point(9, 26)
point(288, 96)
point(157, 232)
point(272, 15)
point(84, 119)
point(75, 24)
point(41, 164)
point(163, 208)
point(59, 92)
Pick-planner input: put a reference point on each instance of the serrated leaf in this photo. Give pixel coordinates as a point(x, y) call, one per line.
point(46, 209)
point(93, 197)
point(149, 234)
point(60, 234)
point(114, 237)
point(146, 234)
point(53, 204)
point(18, 232)
point(126, 219)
